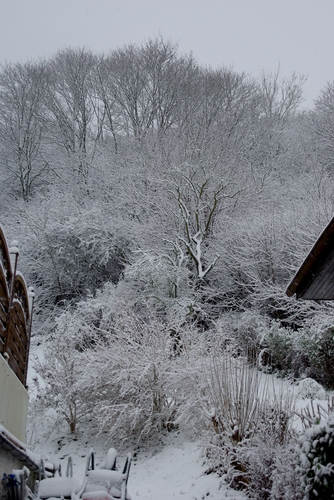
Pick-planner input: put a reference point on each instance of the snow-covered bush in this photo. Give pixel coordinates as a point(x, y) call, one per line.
point(161, 282)
point(310, 389)
point(318, 342)
point(267, 452)
point(136, 377)
point(270, 241)
point(251, 424)
point(285, 477)
point(269, 469)
point(265, 342)
point(316, 454)
point(234, 397)
point(307, 352)
point(58, 386)
point(280, 344)
point(242, 333)
point(71, 249)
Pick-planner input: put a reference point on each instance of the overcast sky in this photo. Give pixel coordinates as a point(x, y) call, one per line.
point(249, 35)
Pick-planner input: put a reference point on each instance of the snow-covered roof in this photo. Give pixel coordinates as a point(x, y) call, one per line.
point(18, 449)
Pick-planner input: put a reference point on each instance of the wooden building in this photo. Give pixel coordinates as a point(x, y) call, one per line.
point(15, 326)
point(315, 277)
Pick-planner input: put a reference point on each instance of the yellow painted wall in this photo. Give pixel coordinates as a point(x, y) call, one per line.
point(13, 402)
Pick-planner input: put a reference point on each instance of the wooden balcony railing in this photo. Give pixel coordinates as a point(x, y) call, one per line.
point(15, 313)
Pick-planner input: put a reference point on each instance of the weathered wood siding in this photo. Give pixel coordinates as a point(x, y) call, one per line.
point(315, 277)
point(14, 315)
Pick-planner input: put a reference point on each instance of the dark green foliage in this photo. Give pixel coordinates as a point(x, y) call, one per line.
point(280, 343)
point(317, 461)
point(321, 354)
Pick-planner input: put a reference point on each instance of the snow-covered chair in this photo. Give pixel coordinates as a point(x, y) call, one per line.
point(110, 462)
point(58, 486)
point(106, 483)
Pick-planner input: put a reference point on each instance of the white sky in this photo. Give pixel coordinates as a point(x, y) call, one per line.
point(248, 35)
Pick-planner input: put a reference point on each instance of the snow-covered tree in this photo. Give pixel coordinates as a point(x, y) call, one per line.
point(58, 385)
point(71, 109)
point(24, 160)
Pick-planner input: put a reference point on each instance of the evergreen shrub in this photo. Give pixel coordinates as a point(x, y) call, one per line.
point(316, 457)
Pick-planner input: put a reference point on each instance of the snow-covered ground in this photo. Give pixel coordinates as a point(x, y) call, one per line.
point(173, 469)
point(176, 471)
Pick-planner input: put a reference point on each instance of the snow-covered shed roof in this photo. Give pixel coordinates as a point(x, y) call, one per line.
point(18, 450)
point(315, 277)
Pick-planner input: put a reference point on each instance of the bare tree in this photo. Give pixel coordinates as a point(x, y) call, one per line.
point(200, 201)
point(108, 118)
point(127, 81)
point(281, 97)
point(170, 76)
point(270, 143)
point(72, 108)
point(216, 113)
point(142, 87)
point(323, 125)
point(22, 124)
